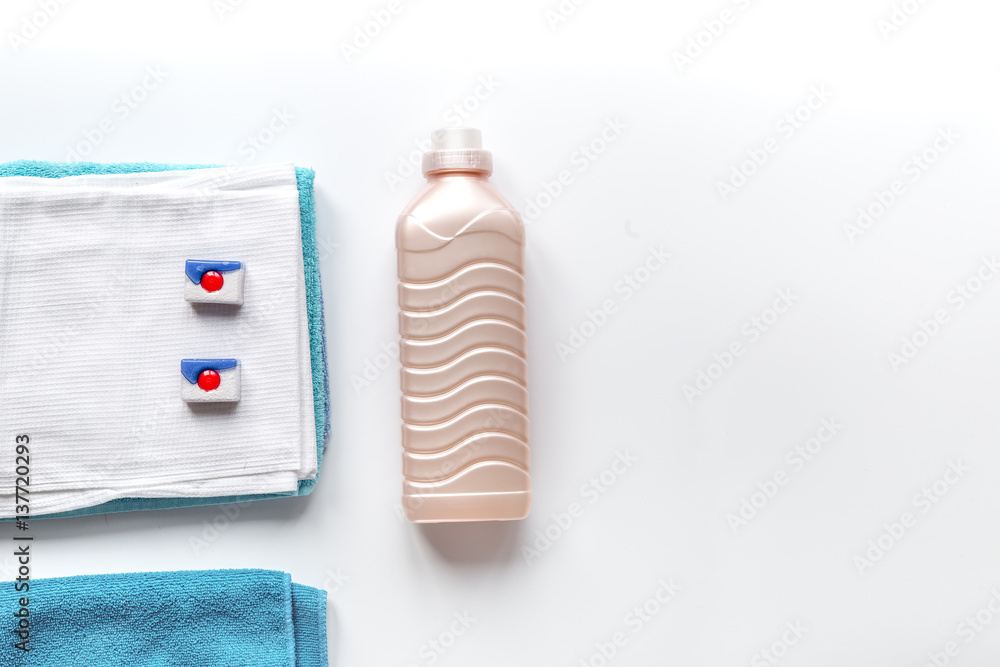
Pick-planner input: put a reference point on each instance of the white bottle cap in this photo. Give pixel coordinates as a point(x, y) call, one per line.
point(456, 138)
point(457, 149)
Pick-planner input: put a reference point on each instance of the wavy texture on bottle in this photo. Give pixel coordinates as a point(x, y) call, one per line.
point(463, 345)
point(434, 352)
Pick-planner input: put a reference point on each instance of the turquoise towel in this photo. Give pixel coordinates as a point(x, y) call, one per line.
point(215, 618)
point(314, 306)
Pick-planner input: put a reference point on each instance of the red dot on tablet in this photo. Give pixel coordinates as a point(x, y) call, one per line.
point(209, 380)
point(212, 281)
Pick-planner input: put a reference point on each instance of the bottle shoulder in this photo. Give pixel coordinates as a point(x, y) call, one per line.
point(447, 208)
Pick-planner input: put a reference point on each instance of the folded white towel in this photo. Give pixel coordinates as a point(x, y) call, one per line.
point(94, 324)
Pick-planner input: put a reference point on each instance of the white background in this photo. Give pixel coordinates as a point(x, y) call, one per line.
point(396, 587)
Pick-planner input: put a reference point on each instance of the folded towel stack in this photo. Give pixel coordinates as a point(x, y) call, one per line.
point(94, 325)
point(220, 618)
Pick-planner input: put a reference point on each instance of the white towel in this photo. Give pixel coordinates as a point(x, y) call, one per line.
point(93, 327)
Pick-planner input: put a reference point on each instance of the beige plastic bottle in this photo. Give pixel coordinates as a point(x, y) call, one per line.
point(464, 376)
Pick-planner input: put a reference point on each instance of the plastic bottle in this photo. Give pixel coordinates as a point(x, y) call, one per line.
point(460, 251)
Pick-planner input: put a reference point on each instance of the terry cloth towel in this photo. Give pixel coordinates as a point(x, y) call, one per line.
point(93, 325)
point(215, 618)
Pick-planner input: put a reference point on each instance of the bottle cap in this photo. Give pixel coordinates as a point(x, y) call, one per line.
point(457, 149)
